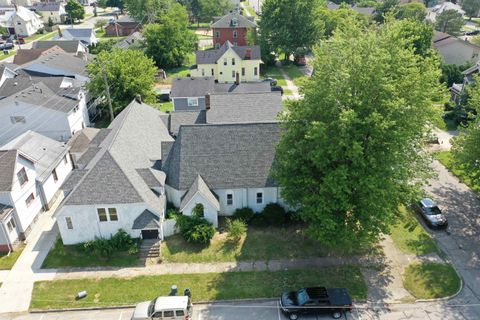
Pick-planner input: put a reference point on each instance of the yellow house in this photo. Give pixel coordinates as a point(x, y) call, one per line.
point(229, 62)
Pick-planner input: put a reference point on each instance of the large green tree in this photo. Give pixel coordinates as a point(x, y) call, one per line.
point(287, 25)
point(419, 33)
point(329, 20)
point(384, 8)
point(412, 10)
point(74, 10)
point(120, 4)
point(449, 21)
point(148, 11)
point(351, 151)
point(211, 8)
point(471, 7)
point(129, 73)
point(169, 42)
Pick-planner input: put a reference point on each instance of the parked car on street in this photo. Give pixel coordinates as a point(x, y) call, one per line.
point(472, 32)
point(6, 46)
point(273, 82)
point(334, 301)
point(431, 214)
point(164, 308)
point(277, 88)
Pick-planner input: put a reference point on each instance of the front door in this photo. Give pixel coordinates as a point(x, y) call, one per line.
point(150, 234)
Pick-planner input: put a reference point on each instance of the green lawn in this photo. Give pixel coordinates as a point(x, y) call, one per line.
point(204, 287)
point(38, 36)
point(294, 73)
point(181, 71)
point(445, 157)
point(431, 280)
point(287, 92)
point(409, 235)
point(7, 261)
point(74, 256)
point(258, 244)
point(163, 106)
point(250, 10)
point(5, 56)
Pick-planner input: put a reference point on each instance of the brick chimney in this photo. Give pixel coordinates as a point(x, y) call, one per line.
point(248, 54)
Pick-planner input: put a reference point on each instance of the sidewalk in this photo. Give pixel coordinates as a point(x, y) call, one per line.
point(17, 286)
point(290, 86)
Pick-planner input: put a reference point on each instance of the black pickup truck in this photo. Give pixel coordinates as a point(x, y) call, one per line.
point(316, 300)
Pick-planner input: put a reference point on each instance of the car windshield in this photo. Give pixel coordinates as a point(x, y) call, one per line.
point(151, 307)
point(433, 211)
point(302, 297)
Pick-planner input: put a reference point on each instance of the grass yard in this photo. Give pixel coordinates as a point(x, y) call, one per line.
point(445, 157)
point(38, 36)
point(163, 106)
point(409, 235)
point(431, 280)
point(180, 72)
point(250, 10)
point(287, 92)
point(204, 287)
point(5, 56)
point(294, 73)
point(74, 256)
point(258, 244)
point(7, 262)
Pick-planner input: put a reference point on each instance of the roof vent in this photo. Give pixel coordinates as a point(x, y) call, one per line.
point(15, 83)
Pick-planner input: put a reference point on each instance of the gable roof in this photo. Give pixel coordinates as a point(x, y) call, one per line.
point(57, 63)
point(213, 55)
point(146, 220)
point(45, 152)
point(78, 32)
point(134, 142)
point(132, 40)
point(24, 14)
point(201, 86)
point(201, 187)
point(226, 155)
point(227, 21)
point(26, 55)
point(80, 141)
point(174, 120)
point(70, 46)
point(244, 107)
point(49, 6)
point(8, 159)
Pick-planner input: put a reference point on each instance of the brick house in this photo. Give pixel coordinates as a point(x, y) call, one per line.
point(232, 27)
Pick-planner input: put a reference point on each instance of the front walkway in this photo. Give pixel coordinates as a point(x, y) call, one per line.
point(290, 86)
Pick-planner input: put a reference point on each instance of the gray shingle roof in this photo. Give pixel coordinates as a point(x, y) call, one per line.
point(213, 55)
point(133, 143)
point(58, 64)
point(79, 32)
point(70, 46)
point(227, 21)
point(132, 40)
point(244, 107)
point(243, 87)
point(146, 220)
point(200, 186)
point(192, 87)
point(50, 6)
point(7, 169)
point(153, 178)
point(72, 180)
point(225, 155)
point(80, 141)
point(46, 152)
point(174, 120)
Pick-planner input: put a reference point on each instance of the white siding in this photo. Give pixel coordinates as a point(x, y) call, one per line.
point(209, 211)
point(174, 195)
point(169, 227)
point(86, 225)
point(50, 187)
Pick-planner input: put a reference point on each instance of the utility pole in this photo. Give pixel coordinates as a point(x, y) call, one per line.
point(107, 91)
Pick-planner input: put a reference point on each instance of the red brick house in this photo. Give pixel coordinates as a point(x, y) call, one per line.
point(124, 26)
point(232, 27)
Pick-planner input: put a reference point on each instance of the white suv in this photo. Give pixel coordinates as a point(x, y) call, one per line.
point(163, 308)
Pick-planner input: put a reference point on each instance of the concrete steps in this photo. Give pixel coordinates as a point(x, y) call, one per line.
point(150, 248)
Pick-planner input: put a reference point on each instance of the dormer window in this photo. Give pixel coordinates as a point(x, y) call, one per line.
point(234, 22)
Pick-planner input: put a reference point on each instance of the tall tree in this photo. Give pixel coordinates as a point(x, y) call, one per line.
point(384, 8)
point(148, 11)
point(351, 152)
point(129, 73)
point(449, 21)
point(471, 8)
point(329, 20)
point(74, 10)
point(169, 42)
point(211, 8)
point(412, 10)
point(116, 4)
point(419, 33)
point(287, 25)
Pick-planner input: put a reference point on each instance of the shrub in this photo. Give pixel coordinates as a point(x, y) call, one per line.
point(172, 213)
point(245, 214)
point(195, 229)
point(236, 229)
point(274, 214)
point(120, 241)
point(198, 210)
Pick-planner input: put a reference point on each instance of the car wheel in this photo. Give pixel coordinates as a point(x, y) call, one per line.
point(293, 316)
point(337, 315)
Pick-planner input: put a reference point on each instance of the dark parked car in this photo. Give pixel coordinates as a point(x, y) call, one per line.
point(473, 32)
point(431, 213)
point(6, 46)
point(273, 82)
point(277, 88)
point(316, 300)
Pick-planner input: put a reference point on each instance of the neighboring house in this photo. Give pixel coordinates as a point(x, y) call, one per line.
point(33, 167)
point(439, 8)
point(24, 22)
point(55, 11)
point(69, 46)
point(188, 94)
point(122, 27)
point(458, 89)
point(454, 50)
point(363, 10)
point(122, 187)
point(231, 27)
point(84, 145)
point(229, 63)
point(222, 166)
point(85, 35)
point(86, 2)
point(132, 41)
point(24, 56)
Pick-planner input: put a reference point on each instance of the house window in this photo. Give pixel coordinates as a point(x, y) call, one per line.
point(54, 174)
point(217, 46)
point(203, 72)
point(29, 200)
point(243, 71)
point(217, 34)
point(213, 73)
point(229, 199)
point(102, 214)
point(233, 74)
point(225, 62)
point(22, 176)
point(69, 223)
point(235, 34)
point(17, 119)
point(11, 225)
point(192, 102)
point(255, 71)
point(19, 23)
point(112, 213)
point(259, 197)
point(233, 61)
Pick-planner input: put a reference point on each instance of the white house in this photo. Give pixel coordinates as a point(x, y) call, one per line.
point(434, 11)
point(32, 169)
point(25, 22)
point(53, 11)
point(86, 35)
point(454, 50)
